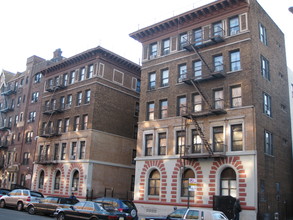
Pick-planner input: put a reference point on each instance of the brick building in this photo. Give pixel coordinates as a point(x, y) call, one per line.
point(215, 108)
point(74, 127)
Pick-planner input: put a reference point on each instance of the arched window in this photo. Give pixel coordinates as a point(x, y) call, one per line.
point(57, 180)
point(154, 183)
point(188, 173)
point(228, 183)
point(41, 179)
point(75, 181)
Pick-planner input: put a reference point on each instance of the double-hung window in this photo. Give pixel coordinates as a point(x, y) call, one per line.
point(236, 96)
point(235, 63)
point(268, 143)
point(218, 139)
point(196, 142)
point(218, 63)
point(163, 109)
point(182, 72)
point(164, 78)
point(90, 71)
point(218, 29)
point(234, 27)
point(219, 99)
point(236, 137)
point(153, 50)
point(197, 36)
point(197, 69)
point(263, 34)
point(78, 98)
point(82, 74)
point(197, 103)
point(152, 81)
point(148, 145)
point(166, 47)
point(267, 105)
point(72, 77)
point(182, 41)
point(150, 111)
point(162, 144)
point(181, 105)
point(180, 142)
point(265, 68)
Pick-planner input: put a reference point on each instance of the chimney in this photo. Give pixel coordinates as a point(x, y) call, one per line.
point(57, 55)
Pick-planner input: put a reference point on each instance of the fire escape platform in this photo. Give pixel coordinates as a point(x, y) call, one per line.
point(212, 76)
point(204, 156)
point(205, 113)
point(213, 40)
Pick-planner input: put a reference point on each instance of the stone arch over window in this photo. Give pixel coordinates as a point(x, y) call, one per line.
point(57, 180)
point(148, 167)
point(188, 173)
point(75, 181)
point(228, 182)
point(41, 179)
point(154, 183)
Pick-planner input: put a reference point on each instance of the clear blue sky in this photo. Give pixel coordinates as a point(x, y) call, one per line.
point(38, 27)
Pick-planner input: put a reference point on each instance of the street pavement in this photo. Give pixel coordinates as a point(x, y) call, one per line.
point(12, 214)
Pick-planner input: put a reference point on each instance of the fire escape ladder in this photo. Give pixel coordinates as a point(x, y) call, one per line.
point(206, 144)
point(201, 58)
point(196, 85)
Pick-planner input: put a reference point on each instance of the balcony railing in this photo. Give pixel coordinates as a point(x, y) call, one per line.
point(8, 90)
point(49, 132)
point(54, 85)
point(46, 160)
point(5, 126)
point(199, 151)
point(51, 109)
point(6, 109)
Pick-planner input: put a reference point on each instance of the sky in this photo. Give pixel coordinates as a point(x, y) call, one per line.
point(39, 27)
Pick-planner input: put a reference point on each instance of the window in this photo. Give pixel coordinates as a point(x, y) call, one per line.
point(29, 136)
point(166, 47)
point(197, 36)
point(218, 63)
point(180, 142)
point(26, 158)
point(182, 72)
point(22, 179)
point(65, 79)
point(236, 137)
point(163, 109)
point(197, 103)
point(138, 83)
point(154, 183)
point(218, 139)
point(196, 142)
point(90, 71)
point(235, 64)
point(265, 68)
point(63, 151)
point(234, 27)
point(73, 151)
point(162, 144)
point(263, 34)
point(18, 100)
point(136, 109)
point(66, 125)
point(82, 150)
point(181, 106)
point(35, 97)
point(153, 50)
point(57, 180)
point(228, 184)
point(152, 81)
point(78, 98)
point(164, 78)
point(148, 145)
point(59, 126)
point(219, 99)
point(69, 101)
point(268, 143)
point(182, 41)
point(84, 122)
point(76, 123)
point(218, 29)
point(87, 98)
point(81, 73)
point(56, 152)
point(188, 173)
point(236, 96)
point(75, 181)
point(267, 104)
point(32, 117)
point(197, 69)
point(72, 77)
point(41, 179)
point(150, 111)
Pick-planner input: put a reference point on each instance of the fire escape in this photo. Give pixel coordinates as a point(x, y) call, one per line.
point(214, 73)
point(50, 108)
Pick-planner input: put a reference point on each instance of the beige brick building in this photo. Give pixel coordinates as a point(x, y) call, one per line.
point(215, 108)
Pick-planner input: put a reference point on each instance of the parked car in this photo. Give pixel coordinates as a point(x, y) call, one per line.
point(4, 192)
point(90, 210)
point(192, 213)
point(121, 205)
point(49, 204)
point(20, 198)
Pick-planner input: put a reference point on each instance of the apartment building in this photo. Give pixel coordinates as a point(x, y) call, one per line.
point(214, 121)
point(86, 142)
point(19, 109)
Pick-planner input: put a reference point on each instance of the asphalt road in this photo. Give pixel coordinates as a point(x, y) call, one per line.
point(12, 214)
